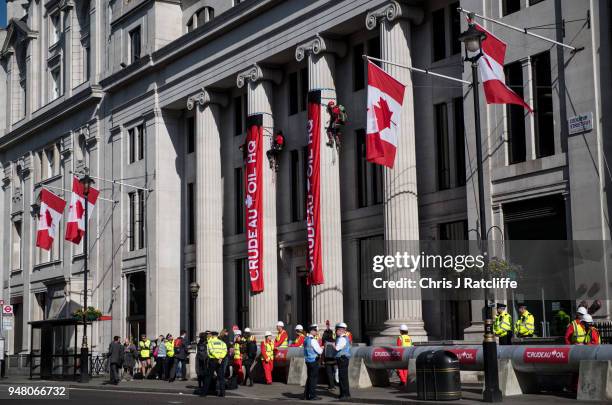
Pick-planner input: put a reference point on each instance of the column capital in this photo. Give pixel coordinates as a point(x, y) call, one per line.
point(66, 4)
point(256, 73)
point(394, 10)
point(205, 97)
point(319, 44)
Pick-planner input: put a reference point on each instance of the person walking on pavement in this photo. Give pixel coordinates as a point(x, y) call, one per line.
point(525, 325)
point(403, 340)
point(161, 357)
point(249, 354)
point(170, 368)
point(144, 347)
point(237, 357)
point(129, 355)
point(312, 353)
point(180, 355)
point(115, 359)
point(575, 332)
point(267, 356)
point(281, 341)
point(201, 360)
point(502, 327)
point(217, 351)
point(299, 337)
point(328, 340)
point(343, 355)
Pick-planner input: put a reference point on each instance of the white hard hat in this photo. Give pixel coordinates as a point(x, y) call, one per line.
point(341, 325)
point(587, 318)
point(247, 330)
point(238, 332)
point(299, 327)
point(280, 323)
point(404, 328)
point(268, 333)
point(582, 311)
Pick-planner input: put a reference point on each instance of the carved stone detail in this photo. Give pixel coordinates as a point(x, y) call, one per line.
point(319, 44)
point(205, 97)
point(392, 11)
point(256, 73)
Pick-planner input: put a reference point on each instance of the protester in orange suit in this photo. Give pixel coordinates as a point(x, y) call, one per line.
point(282, 338)
point(237, 357)
point(267, 356)
point(403, 340)
point(299, 337)
point(592, 334)
point(575, 333)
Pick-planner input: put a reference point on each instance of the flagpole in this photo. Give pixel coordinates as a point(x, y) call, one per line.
point(148, 190)
point(69, 191)
point(413, 69)
point(523, 30)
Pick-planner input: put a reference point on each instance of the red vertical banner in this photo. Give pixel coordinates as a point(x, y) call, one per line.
point(254, 200)
point(313, 187)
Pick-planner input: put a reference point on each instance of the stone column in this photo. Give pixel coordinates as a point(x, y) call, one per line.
point(263, 307)
point(66, 18)
point(209, 211)
point(400, 183)
point(327, 300)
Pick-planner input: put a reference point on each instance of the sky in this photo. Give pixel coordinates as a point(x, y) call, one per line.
point(2, 13)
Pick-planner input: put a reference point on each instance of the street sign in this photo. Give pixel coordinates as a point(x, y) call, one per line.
point(580, 123)
point(7, 323)
point(7, 310)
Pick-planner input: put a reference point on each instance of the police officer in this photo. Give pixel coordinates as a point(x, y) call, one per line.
point(312, 351)
point(525, 325)
point(217, 351)
point(502, 327)
point(249, 354)
point(343, 354)
point(403, 340)
point(170, 367)
point(202, 359)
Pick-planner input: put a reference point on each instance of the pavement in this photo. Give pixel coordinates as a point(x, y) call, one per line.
point(98, 392)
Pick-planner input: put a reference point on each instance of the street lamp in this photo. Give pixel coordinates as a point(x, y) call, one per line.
point(472, 40)
point(194, 288)
point(86, 182)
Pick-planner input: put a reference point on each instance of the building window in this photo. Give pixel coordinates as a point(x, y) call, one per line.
point(293, 93)
point(439, 34)
point(240, 113)
point(459, 140)
point(141, 219)
point(369, 176)
point(137, 304)
point(543, 105)
point(191, 24)
point(456, 230)
point(239, 198)
point(242, 292)
point(455, 27)
point(136, 143)
point(55, 29)
point(358, 67)
point(135, 45)
point(191, 135)
point(373, 48)
point(191, 214)
point(303, 88)
point(132, 221)
point(52, 161)
point(56, 83)
point(515, 115)
point(297, 209)
point(16, 246)
point(510, 6)
point(442, 146)
point(205, 15)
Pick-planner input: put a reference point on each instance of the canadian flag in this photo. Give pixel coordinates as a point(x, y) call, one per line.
point(491, 66)
point(75, 228)
point(49, 217)
point(385, 99)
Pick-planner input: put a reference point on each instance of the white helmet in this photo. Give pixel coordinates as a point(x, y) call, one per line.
point(268, 333)
point(238, 332)
point(247, 330)
point(341, 325)
point(280, 323)
point(587, 318)
point(299, 327)
point(582, 311)
point(404, 328)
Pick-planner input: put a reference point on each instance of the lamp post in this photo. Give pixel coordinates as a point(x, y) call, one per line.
point(194, 288)
point(86, 182)
point(472, 40)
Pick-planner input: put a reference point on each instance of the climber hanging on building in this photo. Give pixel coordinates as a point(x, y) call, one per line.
point(337, 120)
point(278, 144)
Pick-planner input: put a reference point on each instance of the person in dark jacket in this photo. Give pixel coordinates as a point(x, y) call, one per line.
point(115, 359)
point(129, 359)
point(329, 359)
point(249, 354)
point(202, 359)
point(180, 355)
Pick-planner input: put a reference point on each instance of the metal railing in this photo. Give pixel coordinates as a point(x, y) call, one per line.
point(605, 331)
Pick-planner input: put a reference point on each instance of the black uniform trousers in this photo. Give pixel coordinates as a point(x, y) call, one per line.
point(343, 363)
point(248, 363)
point(214, 371)
point(312, 377)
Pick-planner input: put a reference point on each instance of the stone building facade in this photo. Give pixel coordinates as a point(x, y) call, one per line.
point(156, 94)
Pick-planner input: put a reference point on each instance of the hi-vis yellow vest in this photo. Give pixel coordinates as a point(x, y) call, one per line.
point(145, 348)
point(406, 340)
point(270, 350)
point(217, 349)
point(169, 348)
point(579, 335)
point(237, 350)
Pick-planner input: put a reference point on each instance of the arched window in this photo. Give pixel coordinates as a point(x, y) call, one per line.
point(200, 17)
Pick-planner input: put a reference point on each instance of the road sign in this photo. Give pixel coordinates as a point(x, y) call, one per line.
point(580, 123)
point(7, 310)
point(7, 323)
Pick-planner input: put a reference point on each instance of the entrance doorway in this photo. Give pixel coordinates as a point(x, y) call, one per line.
point(137, 308)
point(303, 302)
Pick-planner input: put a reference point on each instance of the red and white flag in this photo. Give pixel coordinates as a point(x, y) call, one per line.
point(385, 99)
point(491, 66)
point(75, 228)
point(49, 217)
